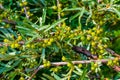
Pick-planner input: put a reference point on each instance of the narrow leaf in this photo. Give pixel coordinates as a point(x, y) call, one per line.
point(54, 24)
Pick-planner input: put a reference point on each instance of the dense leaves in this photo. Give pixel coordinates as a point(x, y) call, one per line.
point(39, 32)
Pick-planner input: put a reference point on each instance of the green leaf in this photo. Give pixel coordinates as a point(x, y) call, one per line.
point(71, 9)
point(56, 76)
point(2, 69)
point(55, 24)
point(81, 14)
point(117, 76)
point(12, 75)
point(29, 41)
point(44, 16)
point(26, 31)
point(43, 27)
point(49, 77)
point(117, 12)
point(73, 17)
point(84, 74)
point(12, 66)
point(43, 2)
point(5, 32)
point(42, 55)
point(79, 71)
point(6, 57)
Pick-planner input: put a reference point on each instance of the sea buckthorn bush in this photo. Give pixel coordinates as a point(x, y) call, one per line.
point(37, 33)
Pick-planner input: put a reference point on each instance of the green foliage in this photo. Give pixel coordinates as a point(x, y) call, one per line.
point(38, 32)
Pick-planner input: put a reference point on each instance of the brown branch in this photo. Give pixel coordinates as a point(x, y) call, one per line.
point(74, 62)
point(7, 44)
point(21, 42)
point(115, 67)
point(84, 52)
point(112, 52)
point(9, 21)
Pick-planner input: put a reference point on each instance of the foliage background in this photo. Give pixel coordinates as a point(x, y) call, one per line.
point(36, 32)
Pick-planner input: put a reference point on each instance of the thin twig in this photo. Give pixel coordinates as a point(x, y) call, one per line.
point(27, 16)
point(58, 11)
point(74, 62)
point(1, 7)
point(9, 21)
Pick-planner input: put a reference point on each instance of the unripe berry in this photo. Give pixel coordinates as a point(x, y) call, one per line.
point(48, 64)
point(16, 45)
point(116, 59)
point(22, 78)
point(51, 39)
point(89, 31)
point(92, 68)
point(54, 7)
point(64, 24)
point(95, 65)
point(56, 70)
point(62, 14)
point(2, 52)
point(98, 31)
point(12, 45)
point(28, 45)
point(28, 13)
point(88, 38)
point(44, 61)
point(68, 28)
point(101, 51)
point(43, 45)
point(46, 40)
point(101, 30)
point(21, 4)
point(80, 65)
point(45, 65)
point(6, 40)
point(32, 46)
point(69, 64)
point(25, 3)
point(63, 58)
point(95, 38)
point(93, 44)
point(22, 10)
point(59, 5)
point(7, 26)
point(106, 78)
point(19, 38)
point(82, 38)
point(109, 63)
point(100, 56)
point(100, 47)
point(105, 46)
point(93, 33)
point(94, 28)
point(114, 62)
point(49, 43)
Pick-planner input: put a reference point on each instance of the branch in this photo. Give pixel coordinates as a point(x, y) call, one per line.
point(27, 16)
point(1, 7)
point(112, 52)
point(84, 52)
point(58, 11)
point(74, 62)
point(9, 21)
